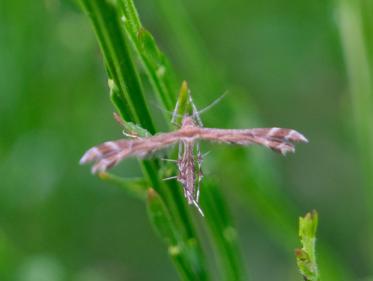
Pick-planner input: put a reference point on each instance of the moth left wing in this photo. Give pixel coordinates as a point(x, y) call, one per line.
point(110, 153)
point(278, 139)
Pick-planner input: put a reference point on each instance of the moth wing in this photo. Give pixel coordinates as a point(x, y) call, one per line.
point(110, 153)
point(278, 139)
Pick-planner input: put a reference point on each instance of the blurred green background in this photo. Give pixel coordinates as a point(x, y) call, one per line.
point(297, 64)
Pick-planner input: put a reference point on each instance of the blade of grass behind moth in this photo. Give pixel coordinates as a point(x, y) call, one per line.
point(223, 232)
point(355, 39)
point(161, 76)
point(175, 198)
point(135, 187)
point(107, 27)
point(162, 222)
point(183, 224)
point(263, 199)
point(158, 68)
point(180, 252)
point(200, 67)
point(275, 212)
point(105, 19)
point(118, 62)
point(163, 80)
point(183, 105)
point(217, 215)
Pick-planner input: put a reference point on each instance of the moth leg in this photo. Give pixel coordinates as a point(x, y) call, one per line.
point(170, 178)
point(125, 132)
point(191, 201)
point(130, 135)
point(180, 151)
point(199, 173)
point(195, 112)
point(169, 160)
point(198, 208)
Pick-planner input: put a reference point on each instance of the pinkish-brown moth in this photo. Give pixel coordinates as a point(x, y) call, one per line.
point(110, 153)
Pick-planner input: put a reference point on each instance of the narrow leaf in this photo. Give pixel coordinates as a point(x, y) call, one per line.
point(135, 187)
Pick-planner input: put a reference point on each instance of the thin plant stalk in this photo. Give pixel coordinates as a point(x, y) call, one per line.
point(105, 19)
point(163, 79)
point(262, 195)
point(156, 66)
point(355, 43)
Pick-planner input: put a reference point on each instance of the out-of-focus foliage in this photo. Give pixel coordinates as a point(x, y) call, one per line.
point(284, 64)
point(306, 256)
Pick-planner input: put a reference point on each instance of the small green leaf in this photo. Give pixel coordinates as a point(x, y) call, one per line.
point(129, 127)
point(223, 233)
point(135, 187)
point(180, 252)
point(157, 67)
point(149, 46)
point(183, 105)
point(160, 217)
point(129, 100)
point(306, 256)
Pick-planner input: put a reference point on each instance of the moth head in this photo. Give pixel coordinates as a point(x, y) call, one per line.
point(188, 121)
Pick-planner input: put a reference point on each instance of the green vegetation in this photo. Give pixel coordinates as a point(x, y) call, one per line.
point(296, 64)
point(306, 256)
point(171, 218)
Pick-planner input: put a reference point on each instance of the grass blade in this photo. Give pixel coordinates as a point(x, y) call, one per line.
point(114, 47)
point(129, 100)
point(158, 68)
point(167, 230)
point(355, 26)
point(223, 233)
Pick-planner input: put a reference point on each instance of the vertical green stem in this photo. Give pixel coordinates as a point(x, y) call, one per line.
point(361, 82)
point(223, 233)
point(263, 197)
point(354, 39)
point(156, 64)
point(105, 18)
point(217, 215)
point(118, 61)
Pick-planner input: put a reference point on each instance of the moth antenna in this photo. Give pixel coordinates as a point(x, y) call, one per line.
point(205, 154)
point(164, 110)
point(212, 104)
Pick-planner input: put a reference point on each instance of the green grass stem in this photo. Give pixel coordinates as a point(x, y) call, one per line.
point(112, 25)
point(355, 25)
point(105, 18)
point(259, 191)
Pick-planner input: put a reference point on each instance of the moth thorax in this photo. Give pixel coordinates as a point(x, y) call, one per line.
point(188, 121)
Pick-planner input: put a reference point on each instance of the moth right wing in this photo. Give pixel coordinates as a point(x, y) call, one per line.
point(110, 153)
point(278, 139)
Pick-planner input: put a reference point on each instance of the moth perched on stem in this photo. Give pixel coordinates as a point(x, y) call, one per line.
point(110, 153)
